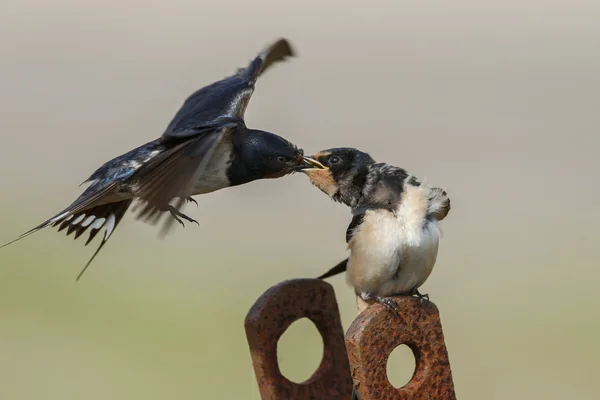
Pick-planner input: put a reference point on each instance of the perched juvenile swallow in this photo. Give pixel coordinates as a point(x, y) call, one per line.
point(206, 147)
point(394, 236)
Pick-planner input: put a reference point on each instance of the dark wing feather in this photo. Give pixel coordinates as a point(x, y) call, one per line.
point(225, 100)
point(272, 54)
point(356, 221)
point(343, 265)
point(173, 174)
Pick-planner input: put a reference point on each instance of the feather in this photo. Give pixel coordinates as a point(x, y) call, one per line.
point(116, 211)
point(86, 214)
point(83, 202)
point(338, 269)
point(173, 175)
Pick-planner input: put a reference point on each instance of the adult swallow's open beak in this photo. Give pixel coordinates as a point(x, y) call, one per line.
point(310, 164)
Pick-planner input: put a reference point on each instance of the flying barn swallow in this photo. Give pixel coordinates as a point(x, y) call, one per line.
point(206, 147)
point(394, 235)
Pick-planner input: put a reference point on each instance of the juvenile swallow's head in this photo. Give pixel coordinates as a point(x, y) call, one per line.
point(341, 174)
point(264, 155)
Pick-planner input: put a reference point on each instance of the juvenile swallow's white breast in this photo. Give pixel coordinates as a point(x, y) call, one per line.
point(214, 176)
point(392, 254)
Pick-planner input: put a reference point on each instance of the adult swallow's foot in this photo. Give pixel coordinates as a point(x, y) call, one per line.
point(178, 215)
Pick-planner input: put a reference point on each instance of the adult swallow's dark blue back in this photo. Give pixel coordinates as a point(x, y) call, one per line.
point(206, 147)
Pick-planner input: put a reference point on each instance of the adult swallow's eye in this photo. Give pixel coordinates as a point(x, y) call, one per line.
point(282, 159)
point(334, 160)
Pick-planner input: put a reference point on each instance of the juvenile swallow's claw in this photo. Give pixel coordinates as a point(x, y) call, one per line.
point(178, 215)
point(422, 297)
point(393, 211)
point(191, 200)
point(387, 302)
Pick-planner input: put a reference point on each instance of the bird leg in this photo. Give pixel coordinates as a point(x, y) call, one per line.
point(191, 200)
point(178, 215)
point(387, 302)
point(392, 209)
point(422, 297)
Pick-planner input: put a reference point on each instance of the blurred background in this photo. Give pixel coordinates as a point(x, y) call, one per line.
point(496, 102)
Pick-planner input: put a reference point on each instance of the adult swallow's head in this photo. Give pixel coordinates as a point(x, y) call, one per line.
point(264, 155)
point(342, 173)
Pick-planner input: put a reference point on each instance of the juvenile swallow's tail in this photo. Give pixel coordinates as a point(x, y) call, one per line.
point(439, 204)
point(338, 269)
point(82, 215)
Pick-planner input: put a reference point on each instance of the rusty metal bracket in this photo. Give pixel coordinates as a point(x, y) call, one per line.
point(362, 359)
point(376, 332)
point(268, 319)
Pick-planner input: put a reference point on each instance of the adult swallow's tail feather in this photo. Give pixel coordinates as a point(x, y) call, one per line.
point(88, 212)
point(105, 216)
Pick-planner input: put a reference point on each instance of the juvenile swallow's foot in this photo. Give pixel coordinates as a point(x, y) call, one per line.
point(392, 210)
point(422, 297)
point(191, 200)
point(387, 302)
point(178, 215)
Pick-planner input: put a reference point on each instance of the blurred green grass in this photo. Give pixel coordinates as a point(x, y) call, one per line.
point(119, 336)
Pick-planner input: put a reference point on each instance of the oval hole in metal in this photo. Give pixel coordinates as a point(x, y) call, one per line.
point(401, 366)
point(300, 350)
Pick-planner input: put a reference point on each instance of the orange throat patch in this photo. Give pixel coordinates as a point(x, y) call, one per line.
point(323, 179)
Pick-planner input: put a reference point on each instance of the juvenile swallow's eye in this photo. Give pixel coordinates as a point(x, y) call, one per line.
point(282, 159)
point(334, 160)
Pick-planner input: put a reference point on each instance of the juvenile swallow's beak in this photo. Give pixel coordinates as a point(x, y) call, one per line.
point(320, 175)
point(310, 164)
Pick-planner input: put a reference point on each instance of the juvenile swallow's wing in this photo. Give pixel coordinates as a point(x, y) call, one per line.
point(173, 174)
point(343, 265)
point(357, 219)
point(226, 100)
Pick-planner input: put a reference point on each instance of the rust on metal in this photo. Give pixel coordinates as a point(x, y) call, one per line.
point(269, 318)
point(376, 332)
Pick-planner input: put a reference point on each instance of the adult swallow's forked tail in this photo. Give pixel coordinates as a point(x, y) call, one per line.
point(165, 169)
point(87, 213)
